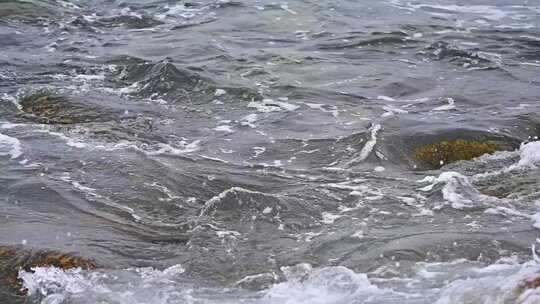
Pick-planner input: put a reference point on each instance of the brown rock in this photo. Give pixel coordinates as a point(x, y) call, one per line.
point(13, 259)
point(436, 155)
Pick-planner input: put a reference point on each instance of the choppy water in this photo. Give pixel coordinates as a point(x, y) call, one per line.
point(258, 151)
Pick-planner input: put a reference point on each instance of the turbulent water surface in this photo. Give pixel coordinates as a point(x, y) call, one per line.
point(258, 151)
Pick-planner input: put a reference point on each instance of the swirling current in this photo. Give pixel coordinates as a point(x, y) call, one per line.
point(268, 151)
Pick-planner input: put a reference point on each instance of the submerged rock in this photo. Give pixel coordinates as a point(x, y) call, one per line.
point(509, 184)
point(27, 10)
point(436, 155)
point(130, 22)
point(47, 107)
point(15, 258)
point(164, 80)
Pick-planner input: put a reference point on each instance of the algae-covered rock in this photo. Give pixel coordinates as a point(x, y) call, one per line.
point(27, 10)
point(13, 259)
point(48, 107)
point(527, 290)
point(43, 104)
point(439, 154)
point(131, 22)
point(509, 185)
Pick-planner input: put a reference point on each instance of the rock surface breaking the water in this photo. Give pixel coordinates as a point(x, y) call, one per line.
point(50, 108)
point(436, 155)
point(14, 259)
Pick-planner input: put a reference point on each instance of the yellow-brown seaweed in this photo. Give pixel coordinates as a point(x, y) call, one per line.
point(47, 106)
point(13, 259)
point(445, 152)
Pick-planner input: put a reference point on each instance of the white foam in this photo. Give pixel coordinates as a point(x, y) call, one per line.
point(529, 155)
point(227, 233)
point(92, 193)
point(212, 202)
point(495, 285)
point(328, 285)
point(178, 148)
point(259, 151)
point(257, 277)
point(217, 159)
point(54, 280)
point(506, 211)
point(329, 218)
point(85, 78)
point(450, 106)
point(530, 64)
point(286, 8)
point(316, 106)
point(459, 192)
point(249, 120)
point(10, 146)
point(11, 99)
point(385, 98)
point(123, 286)
point(169, 149)
point(454, 282)
point(390, 110)
point(358, 234)
point(72, 142)
point(134, 87)
point(180, 10)
point(224, 128)
point(220, 92)
point(165, 190)
point(485, 11)
point(368, 146)
point(9, 125)
point(270, 105)
point(536, 216)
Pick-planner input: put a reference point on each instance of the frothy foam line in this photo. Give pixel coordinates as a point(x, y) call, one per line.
point(529, 155)
point(160, 148)
point(529, 159)
point(270, 105)
point(10, 146)
point(212, 202)
point(459, 192)
point(455, 282)
point(368, 147)
point(92, 193)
